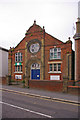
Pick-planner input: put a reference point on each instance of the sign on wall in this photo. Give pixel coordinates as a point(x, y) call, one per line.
point(54, 77)
point(18, 76)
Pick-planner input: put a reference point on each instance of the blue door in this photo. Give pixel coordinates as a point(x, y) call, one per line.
point(35, 74)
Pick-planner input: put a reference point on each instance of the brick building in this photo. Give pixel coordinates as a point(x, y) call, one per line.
point(77, 51)
point(41, 57)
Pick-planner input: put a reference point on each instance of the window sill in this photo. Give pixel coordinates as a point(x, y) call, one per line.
point(18, 72)
point(55, 72)
point(18, 61)
point(56, 59)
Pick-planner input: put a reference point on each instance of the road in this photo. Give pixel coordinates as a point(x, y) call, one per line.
point(16, 105)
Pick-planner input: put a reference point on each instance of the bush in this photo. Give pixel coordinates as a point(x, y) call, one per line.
point(23, 81)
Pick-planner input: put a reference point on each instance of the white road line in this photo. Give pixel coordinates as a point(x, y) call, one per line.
point(26, 109)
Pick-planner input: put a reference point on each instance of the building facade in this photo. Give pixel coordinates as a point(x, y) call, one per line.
point(77, 51)
point(3, 63)
point(40, 56)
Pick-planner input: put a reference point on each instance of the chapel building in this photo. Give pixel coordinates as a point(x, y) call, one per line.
point(40, 56)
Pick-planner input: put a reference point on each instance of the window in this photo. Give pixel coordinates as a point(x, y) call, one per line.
point(55, 53)
point(59, 67)
point(56, 67)
point(35, 66)
point(18, 57)
point(15, 68)
point(50, 67)
point(18, 68)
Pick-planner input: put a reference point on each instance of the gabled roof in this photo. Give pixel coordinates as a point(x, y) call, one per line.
point(20, 42)
point(34, 28)
point(54, 38)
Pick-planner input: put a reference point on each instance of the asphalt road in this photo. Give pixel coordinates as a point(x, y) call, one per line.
point(15, 105)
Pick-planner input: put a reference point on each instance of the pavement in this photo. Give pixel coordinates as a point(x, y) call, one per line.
point(58, 96)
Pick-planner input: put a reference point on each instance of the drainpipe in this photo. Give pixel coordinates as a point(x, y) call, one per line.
point(44, 50)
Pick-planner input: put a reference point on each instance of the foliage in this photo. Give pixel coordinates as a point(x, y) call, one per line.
point(23, 81)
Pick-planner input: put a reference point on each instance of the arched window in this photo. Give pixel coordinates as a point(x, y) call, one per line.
point(35, 66)
point(18, 57)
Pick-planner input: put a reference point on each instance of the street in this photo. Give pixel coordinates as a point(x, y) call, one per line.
point(16, 105)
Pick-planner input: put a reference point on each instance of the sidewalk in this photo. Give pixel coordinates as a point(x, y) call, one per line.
point(45, 94)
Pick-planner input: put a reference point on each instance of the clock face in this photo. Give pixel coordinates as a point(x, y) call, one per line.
point(34, 48)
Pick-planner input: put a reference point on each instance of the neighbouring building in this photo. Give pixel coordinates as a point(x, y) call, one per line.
point(77, 51)
point(41, 57)
point(3, 64)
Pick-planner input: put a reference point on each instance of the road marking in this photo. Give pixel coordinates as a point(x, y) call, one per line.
point(60, 101)
point(38, 113)
point(40, 97)
point(52, 100)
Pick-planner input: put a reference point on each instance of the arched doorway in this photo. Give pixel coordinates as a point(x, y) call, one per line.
point(35, 71)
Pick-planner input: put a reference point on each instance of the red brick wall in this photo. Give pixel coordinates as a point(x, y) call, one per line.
point(74, 90)
point(66, 48)
point(46, 85)
point(77, 59)
point(19, 48)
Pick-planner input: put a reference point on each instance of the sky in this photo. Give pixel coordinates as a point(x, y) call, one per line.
point(57, 16)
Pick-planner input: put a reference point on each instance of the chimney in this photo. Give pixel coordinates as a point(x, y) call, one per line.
point(78, 26)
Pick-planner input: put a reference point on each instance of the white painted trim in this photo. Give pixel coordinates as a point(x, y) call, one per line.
point(18, 72)
point(54, 72)
point(54, 62)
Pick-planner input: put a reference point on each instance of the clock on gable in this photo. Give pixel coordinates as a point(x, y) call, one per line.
point(34, 46)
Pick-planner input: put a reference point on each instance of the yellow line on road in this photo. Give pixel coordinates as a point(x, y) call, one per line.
point(60, 102)
point(25, 94)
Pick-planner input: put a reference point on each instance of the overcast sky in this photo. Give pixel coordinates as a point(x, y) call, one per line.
point(16, 16)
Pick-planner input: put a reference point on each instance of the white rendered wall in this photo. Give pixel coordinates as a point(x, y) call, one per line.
point(3, 63)
point(0, 63)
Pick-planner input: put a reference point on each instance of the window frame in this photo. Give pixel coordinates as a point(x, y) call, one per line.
point(51, 67)
point(54, 53)
point(57, 68)
point(18, 68)
point(18, 57)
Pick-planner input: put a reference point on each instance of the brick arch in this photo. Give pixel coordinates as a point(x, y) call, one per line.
point(28, 66)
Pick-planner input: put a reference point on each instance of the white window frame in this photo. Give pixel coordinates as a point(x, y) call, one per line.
point(18, 68)
point(57, 65)
point(52, 51)
point(35, 66)
point(50, 68)
point(18, 57)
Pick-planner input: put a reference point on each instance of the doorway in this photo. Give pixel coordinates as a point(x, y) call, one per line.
point(35, 71)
